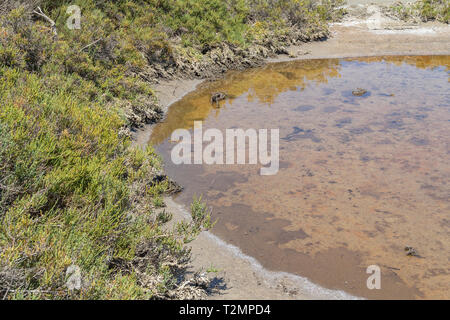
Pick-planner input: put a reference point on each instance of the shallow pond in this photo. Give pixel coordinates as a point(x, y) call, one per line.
point(360, 177)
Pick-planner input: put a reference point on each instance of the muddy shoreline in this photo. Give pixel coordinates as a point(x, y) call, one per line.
point(240, 276)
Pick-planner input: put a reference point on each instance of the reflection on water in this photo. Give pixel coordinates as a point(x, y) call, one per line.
point(360, 177)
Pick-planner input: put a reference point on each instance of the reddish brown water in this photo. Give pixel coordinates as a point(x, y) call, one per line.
point(360, 177)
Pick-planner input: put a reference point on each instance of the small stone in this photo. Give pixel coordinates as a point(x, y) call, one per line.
point(410, 251)
point(292, 54)
point(218, 96)
point(359, 92)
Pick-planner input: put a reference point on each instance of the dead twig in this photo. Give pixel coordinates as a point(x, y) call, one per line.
point(90, 44)
point(41, 14)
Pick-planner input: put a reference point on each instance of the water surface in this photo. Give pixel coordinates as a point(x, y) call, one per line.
point(360, 177)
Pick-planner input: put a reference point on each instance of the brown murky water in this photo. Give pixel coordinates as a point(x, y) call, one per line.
point(360, 177)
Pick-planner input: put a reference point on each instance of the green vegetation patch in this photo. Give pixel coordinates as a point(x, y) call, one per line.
point(423, 10)
point(73, 192)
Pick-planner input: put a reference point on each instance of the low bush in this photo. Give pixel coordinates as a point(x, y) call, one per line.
point(423, 10)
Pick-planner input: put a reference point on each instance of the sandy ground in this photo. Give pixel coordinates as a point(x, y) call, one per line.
point(364, 32)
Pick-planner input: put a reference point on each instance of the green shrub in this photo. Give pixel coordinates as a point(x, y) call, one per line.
point(72, 190)
point(423, 10)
